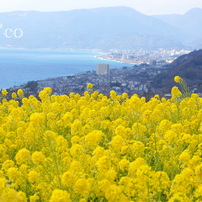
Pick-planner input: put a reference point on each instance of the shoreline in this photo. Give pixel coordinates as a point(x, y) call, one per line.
point(105, 57)
point(69, 66)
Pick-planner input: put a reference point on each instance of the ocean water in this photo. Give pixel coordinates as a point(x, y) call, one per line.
point(18, 66)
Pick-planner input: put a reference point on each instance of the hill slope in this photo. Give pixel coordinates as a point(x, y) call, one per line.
point(188, 66)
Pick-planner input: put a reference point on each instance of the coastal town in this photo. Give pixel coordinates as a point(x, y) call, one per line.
point(142, 56)
point(132, 80)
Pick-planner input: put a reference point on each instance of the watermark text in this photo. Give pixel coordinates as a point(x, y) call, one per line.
point(12, 32)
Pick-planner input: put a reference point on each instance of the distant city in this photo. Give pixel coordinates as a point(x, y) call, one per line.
point(157, 57)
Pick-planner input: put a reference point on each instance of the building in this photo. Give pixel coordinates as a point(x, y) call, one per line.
point(152, 62)
point(102, 69)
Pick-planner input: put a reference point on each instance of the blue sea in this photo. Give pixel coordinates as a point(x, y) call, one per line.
point(18, 66)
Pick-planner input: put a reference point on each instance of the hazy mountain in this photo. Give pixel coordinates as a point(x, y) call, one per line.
point(188, 66)
point(104, 28)
point(190, 22)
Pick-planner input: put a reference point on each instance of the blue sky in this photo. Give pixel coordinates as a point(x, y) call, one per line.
point(145, 6)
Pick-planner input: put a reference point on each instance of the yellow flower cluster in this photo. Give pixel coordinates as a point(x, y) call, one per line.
point(177, 79)
point(176, 94)
point(98, 148)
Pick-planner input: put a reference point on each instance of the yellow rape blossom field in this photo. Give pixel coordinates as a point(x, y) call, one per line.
point(98, 148)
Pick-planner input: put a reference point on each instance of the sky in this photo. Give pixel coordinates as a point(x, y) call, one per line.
point(149, 7)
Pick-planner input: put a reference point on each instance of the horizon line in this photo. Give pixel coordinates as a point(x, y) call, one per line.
point(54, 11)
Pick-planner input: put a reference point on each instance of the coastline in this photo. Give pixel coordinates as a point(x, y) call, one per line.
point(52, 65)
point(119, 60)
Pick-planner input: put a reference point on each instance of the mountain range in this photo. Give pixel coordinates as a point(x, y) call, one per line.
point(190, 23)
point(100, 28)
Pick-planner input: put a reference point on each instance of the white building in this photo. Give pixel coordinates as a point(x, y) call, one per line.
point(102, 69)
